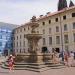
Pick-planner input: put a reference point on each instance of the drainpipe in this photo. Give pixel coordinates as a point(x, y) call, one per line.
point(61, 38)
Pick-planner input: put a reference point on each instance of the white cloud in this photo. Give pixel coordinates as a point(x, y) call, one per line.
point(20, 11)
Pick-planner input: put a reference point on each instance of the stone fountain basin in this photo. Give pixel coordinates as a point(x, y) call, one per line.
point(35, 57)
point(33, 36)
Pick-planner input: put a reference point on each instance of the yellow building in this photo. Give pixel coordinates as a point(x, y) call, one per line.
point(58, 31)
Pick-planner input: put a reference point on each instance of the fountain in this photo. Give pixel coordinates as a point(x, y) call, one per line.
point(33, 60)
point(33, 38)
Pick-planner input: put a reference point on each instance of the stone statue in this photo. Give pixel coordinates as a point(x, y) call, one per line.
point(33, 19)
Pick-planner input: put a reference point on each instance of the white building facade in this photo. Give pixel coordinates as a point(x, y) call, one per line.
point(58, 31)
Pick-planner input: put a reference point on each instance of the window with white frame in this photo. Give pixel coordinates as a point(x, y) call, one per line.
point(74, 25)
point(50, 40)
point(57, 28)
point(65, 27)
point(43, 31)
point(66, 39)
point(66, 48)
point(57, 39)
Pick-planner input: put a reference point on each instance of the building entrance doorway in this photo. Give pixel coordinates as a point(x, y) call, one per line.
point(57, 50)
point(44, 49)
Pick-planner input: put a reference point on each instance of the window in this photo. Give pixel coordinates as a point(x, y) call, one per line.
point(43, 31)
point(24, 43)
point(56, 19)
point(7, 37)
point(17, 30)
point(21, 30)
point(8, 31)
point(20, 36)
point(20, 50)
point(14, 44)
point(14, 38)
point(37, 31)
point(66, 48)
point(57, 39)
point(43, 23)
point(17, 37)
point(0, 36)
point(0, 29)
point(28, 27)
point(74, 36)
point(24, 50)
point(17, 44)
point(0, 43)
point(73, 14)
point(24, 29)
point(65, 27)
point(64, 17)
point(50, 40)
point(66, 39)
point(44, 41)
point(20, 43)
point(57, 29)
point(49, 30)
point(24, 36)
point(17, 50)
point(0, 50)
point(11, 38)
point(74, 25)
point(49, 21)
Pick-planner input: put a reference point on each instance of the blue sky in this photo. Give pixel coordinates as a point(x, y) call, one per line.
point(21, 11)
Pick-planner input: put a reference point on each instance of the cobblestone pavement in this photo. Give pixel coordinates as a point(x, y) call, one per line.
point(62, 71)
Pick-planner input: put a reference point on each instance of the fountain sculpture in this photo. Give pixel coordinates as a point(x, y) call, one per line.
point(34, 55)
point(33, 39)
point(34, 60)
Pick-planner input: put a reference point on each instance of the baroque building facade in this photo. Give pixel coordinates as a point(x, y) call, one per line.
point(57, 29)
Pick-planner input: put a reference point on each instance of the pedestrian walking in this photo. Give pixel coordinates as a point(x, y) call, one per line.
point(66, 56)
point(11, 62)
point(71, 59)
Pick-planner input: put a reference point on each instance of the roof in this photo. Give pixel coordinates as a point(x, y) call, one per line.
point(49, 15)
point(58, 12)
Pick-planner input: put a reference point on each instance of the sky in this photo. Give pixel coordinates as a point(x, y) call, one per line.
point(20, 11)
